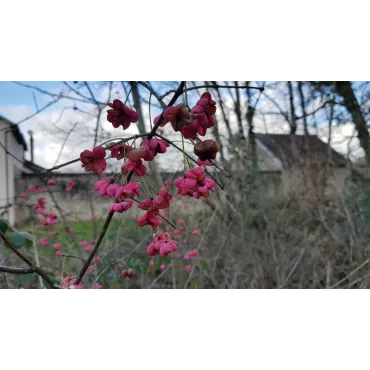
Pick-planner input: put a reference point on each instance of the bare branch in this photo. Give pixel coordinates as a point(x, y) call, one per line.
point(35, 268)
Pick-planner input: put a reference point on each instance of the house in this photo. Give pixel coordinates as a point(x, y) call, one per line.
point(12, 165)
point(302, 163)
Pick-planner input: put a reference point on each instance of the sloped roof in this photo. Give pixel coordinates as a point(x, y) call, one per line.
point(16, 132)
point(294, 149)
point(33, 167)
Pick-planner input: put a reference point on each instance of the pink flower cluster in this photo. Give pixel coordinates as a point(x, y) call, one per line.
point(70, 283)
point(44, 242)
point(162, 245)
point(50, 218)
point(70, 185)
point(129, 273)
point(147, 151)
point(94, 160)
point(194, 183)
point(87, 246)
point(40, 205)
point(193, 123)
point(120, 151)
point(136, 167)
point(58, 252)
point(190, 254)
point(204, 163)
point(152, 206)
point(120, 115)
point(121, 207)
point(109, 190)
point(24, 196)
point(121, 193)
point(36, 189)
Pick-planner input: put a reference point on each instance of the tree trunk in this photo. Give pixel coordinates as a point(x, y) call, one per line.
point(345, 90)
point(137, 104)
point(293, 121)
point(303, 107)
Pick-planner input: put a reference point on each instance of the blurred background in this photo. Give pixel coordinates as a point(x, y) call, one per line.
point(294, 163)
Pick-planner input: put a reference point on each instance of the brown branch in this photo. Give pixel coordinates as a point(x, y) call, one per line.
point(32, 115)
point(293, 121)
point(76, 91)
point(16, 270)
point(35, 268)
point(98, 115)
point(214, 86)
point(78, 159)
point(73, 256)
point(108, 220)
point(59, 96)
point(151, 90)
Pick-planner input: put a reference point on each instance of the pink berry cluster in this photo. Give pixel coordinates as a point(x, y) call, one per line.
point(70, 185)
point(70, 283)
point(129, 273)
point(194, 183)
point(194, 122)
point(190, 254)
point(119, 151)
point(147, 151)
point(36, 189)
point(94, 160)
point(190, 123)
point(48, 218)
point(165, 244)
point(120, 115)
point(152, 207)
point(162, 244)
point(88, 246)
point(121, 193)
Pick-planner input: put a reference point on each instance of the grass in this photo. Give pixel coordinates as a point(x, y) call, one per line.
point(124, 243)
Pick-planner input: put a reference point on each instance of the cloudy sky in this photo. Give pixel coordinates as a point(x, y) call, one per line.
point(66, 127)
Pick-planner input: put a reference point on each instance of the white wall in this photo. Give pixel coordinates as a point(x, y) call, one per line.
point(14, 167)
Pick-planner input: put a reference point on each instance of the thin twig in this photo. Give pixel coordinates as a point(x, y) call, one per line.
point(293, 269)
point(214, 86)
point(78, 159)
point(110, 214)
point(159, 276)
point(191, 158)
point(35, 268)
point(350, 274)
